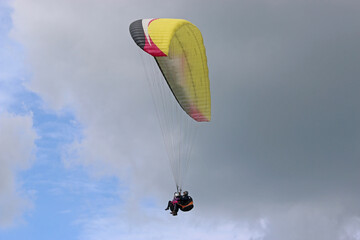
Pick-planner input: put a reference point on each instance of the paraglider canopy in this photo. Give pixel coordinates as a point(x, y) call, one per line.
point(178, 48)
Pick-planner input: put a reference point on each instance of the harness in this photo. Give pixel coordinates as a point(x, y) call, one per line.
point(184, 206)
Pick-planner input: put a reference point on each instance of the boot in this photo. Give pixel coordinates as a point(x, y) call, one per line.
point(166, 208)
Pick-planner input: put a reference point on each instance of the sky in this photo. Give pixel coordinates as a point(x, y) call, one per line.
point(82, 154)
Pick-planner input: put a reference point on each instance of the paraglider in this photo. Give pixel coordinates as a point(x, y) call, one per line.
point(179, 81)
point(183, 202)
point(174, 204)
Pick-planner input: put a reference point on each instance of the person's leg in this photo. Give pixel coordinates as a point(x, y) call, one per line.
point(171, 207)
point(168, 206)
point(176, 209)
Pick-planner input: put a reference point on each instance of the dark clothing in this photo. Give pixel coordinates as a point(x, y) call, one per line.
point(185, 200)
point(186, 203)
point(174, 205)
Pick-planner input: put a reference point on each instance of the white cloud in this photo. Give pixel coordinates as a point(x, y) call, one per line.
point(16, 153)
point(283, 144)
point(351, 230)
point(154, 224)
point(91, 67)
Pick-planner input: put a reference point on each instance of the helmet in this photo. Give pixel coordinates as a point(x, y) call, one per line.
point(185, 193)
point(176, 194)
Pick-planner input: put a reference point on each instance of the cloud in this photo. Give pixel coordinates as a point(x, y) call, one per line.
point(283, 143)
point(153, 224)
point(17, 136)
point(16, 154)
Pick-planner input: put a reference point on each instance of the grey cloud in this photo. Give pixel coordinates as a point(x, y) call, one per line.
point(284, 81)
